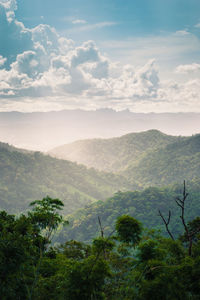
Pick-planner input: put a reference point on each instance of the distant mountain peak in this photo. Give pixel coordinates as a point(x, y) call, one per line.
point(114, 154)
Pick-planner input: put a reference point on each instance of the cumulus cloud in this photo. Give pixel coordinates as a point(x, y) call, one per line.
point(183, 95)
point(10, 6)
point(2, 60)
point(38, 63)
point(136, 83)
point(85, 53)
point(184, 69)
point(14, 37)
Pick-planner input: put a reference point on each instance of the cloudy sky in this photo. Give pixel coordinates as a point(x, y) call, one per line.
point(143, 55)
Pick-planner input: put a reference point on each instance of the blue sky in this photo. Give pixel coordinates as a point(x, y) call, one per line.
point(143, 55)
point(134, 17)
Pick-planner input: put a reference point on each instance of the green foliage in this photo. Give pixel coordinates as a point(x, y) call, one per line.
point(129, 265)
point(85, 279)
point(167, 165)
point(136, 266)
point(145, 158)
point(101, 244)
point(19, 251)
point(76, 250)
point(30, 270)
point(115, 154)
point(142, 205)
point(27, 176)
point(148, 250)
point(128, 229)
point(45, 214)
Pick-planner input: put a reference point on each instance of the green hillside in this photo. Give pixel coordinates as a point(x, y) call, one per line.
point(170, 164)
point(142, 205)
point(28, 176)
point(145, 159)
point(114, 154)
point(12, 148)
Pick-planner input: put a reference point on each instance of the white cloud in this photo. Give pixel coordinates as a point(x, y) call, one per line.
point(99, 25)
point(85, 53)
point(39, 66)
point(98, 69)
point(9, 4)
point(2, 60)
point(14, 37)
point(184, 69)
point(182, 32)
point(78, 21)
point(136, 84)
point(186, 94)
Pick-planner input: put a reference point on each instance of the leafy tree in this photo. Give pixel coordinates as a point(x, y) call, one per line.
point(45, 215)
point(135, 264)
point(75, 250)
point(142, 205)
point(19, 253)
point(128, 229)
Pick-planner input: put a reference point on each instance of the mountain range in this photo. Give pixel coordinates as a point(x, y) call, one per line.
point(132, 162)
point(42, 131)
point(146, 158)
point(27, 176)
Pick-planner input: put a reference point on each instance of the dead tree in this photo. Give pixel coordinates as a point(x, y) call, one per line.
point(167, 223)
point(188, 234)
point(181, 204)
point(101, 228)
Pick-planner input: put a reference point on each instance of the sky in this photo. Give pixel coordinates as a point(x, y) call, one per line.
point(141, 55)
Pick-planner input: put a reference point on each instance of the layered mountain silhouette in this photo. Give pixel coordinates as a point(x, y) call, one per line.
point(26, 176)
point(145, 158)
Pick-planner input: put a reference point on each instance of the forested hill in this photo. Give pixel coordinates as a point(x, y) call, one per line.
point(28, 176)
point(146, 158)
point(12, 148)
point(142, 205)
point(114, 154)
point(167, 165)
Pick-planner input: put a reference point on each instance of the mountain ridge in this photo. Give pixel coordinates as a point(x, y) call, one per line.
point(41, 131)
point(119, 150)
point(146, 158)
point(27, 176)
point(142, 205)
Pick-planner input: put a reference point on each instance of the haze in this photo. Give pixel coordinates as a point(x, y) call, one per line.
point(45, 130)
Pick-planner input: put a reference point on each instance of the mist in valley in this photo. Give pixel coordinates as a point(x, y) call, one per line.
point(42, 131)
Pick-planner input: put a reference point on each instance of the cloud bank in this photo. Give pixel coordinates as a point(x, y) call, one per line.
point(40, 68)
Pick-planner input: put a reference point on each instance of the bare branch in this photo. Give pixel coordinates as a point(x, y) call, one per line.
point(167, 223)
point(178, 199)
point(101, 228)
point(169, 217)
point(181, 204)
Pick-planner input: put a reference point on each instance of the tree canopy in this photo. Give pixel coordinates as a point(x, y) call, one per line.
point(129, 263)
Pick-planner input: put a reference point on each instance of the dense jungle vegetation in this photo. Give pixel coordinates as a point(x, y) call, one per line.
point(132, 234)
point(145, 158)
point(25, 176)
point(114, 154)
point(148, 158)
point(143, 205)
point(129, 263)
